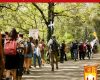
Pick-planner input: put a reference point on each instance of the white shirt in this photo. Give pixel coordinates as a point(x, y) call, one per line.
point(37, 51)
point(50, 42)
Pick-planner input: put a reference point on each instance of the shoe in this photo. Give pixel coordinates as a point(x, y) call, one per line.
point(52, 69)
point(30, 67)
point(57, 68)
point(7, 78)
point(28, 72)
point(39, 66)
point(24, 70)
point(61, 61)
point(83, 59)
point(42, 64)
point(75, 60)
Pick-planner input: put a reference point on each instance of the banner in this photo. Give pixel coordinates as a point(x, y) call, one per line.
point(34, 33)
point(90, 73)
point(95, 34)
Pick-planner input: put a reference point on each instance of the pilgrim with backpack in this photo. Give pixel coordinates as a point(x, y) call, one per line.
point(10, 51)
point(20, 53)
point(53, 52)
point(28, 54)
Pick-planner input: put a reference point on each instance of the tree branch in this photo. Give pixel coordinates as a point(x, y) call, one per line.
point(46, 22)
point(9, 7)
point(60, 13)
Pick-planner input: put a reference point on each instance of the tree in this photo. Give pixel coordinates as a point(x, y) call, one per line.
point(50, 18)
point(72, 19)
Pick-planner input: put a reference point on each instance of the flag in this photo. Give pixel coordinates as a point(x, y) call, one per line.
point(95, 34)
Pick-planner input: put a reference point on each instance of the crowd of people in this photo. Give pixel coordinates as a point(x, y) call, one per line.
point(82, 49)
point(20, 53)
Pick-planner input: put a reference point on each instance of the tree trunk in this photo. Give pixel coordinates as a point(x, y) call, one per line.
point(50, 19)
point(50, 29)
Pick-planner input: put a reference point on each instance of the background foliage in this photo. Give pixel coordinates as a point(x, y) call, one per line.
point(71, 20)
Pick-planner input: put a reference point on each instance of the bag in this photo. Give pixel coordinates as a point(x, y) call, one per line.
point(29, 48)
point(54, 46)
point(10, 48)
point(21, 48)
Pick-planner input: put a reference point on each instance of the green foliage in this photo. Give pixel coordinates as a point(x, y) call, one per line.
point(71, 19)
point(67, 37)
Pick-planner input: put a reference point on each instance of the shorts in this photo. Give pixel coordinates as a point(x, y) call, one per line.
point(30, 55)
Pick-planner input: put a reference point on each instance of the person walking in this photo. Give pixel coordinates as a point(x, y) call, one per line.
point(88, 50)
point(53, 49)
point(28, 54)
point(37, 54)
point(42, 46)
point(81, 51)
point(11, 59)
point(62, 52)
point(71, 50)
point(20, 52)
point(75, 50)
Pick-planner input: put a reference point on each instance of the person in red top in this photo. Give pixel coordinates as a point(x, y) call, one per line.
point(81, 52)
point(42, 46)
point(11, 61)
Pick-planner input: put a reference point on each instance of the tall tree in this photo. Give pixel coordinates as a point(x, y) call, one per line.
point(50, 20)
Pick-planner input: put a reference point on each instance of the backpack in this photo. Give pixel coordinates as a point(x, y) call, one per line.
point(29, 48)
point(54, 45)
point(10, 48)
point(21, 48)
